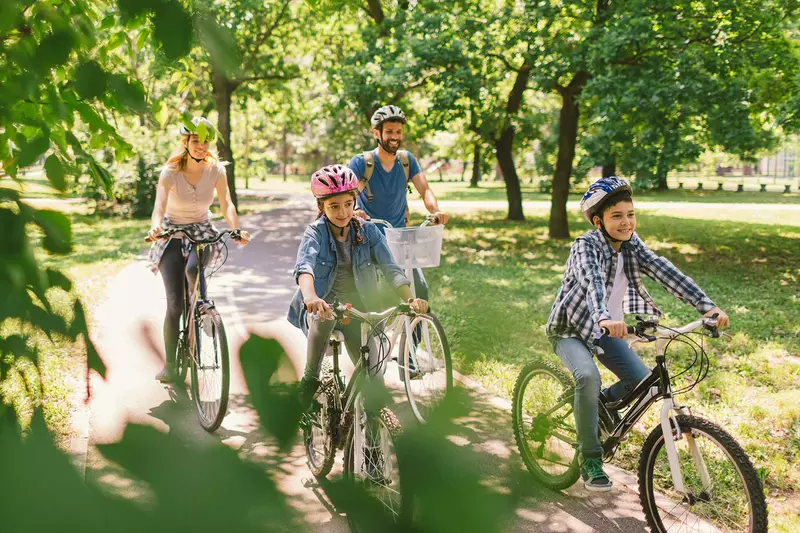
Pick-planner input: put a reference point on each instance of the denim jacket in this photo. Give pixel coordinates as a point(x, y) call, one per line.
point(317, 256)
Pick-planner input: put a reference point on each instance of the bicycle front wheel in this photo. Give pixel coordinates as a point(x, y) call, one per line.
point(426, 366)
point(722, 489)
point(370, 460)
point(544, 424)
point(319, 426)
point(211, 372)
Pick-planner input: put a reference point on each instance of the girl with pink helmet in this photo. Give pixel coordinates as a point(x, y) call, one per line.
point(339, 258)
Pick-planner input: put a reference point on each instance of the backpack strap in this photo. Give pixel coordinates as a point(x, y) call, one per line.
point(369, 166)
point(404, 162)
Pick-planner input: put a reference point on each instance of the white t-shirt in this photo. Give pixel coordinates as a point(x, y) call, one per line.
point(618, 290)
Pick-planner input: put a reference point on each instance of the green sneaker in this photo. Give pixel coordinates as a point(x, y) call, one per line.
point(594, 477)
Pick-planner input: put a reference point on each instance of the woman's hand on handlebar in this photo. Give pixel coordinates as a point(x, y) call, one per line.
point(153, 233)
point(615, 328)
point(243, 238)
point(360, 213)
point(723, 320)
point(418, 305)
point(318, 307)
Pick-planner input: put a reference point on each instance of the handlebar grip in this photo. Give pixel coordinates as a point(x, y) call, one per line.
point(148, 239)
point(629, 329)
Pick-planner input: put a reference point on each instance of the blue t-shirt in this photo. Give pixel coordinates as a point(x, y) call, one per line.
point(388, 189)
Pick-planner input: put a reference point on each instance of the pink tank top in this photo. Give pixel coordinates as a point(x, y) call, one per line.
point(187, 204)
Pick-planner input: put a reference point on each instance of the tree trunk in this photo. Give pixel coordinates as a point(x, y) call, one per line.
point(464, 165)
point(285, 153)
point(223, 94)
point(476, 166)
point(567, 137)
point(246, 149)
point(662, 167)
point(610, 167)
point(505, 159)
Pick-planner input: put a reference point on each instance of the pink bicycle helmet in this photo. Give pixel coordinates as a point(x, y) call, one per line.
point(333, 179)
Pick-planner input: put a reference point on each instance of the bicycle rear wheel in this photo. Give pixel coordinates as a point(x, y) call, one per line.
point(544, 424)
point(723, 490)
point(211, 373)
point(426, 366)
point(370, 460)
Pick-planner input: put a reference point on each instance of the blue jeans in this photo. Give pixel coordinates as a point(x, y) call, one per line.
point(620, 359)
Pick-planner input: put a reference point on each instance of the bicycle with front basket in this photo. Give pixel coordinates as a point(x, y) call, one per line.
point(202, 344)
point(425, 366)
point(693, 476)
point(341, 420)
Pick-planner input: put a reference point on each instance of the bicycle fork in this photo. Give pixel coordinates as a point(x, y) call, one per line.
point(672, 433)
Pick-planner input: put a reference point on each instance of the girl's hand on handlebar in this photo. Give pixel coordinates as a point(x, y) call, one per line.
point(723, 320)
point(616, 328)
point(418, 305)
point(320, 308)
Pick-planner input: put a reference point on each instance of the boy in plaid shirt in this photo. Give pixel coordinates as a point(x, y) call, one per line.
point(601, 283)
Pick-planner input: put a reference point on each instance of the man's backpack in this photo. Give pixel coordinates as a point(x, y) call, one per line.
point(369, 167)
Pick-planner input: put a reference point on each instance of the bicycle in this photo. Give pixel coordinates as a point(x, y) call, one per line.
point(368, 444)
point(202, 343)
point(425, 366)
point(689, 467)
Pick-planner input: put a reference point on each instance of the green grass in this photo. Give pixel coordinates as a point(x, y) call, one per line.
point(498, 279)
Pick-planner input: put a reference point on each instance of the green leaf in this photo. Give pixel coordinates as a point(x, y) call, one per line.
point(91, 81)
point(102, 177)
point(31, 150)
point(75, 144)
point(161, 113)
point(221, 46)
point(108, 22)
point(129, 94)
point(55, 172)
point(141, 39)
point(57, 279)
point(116, 40)
point(57, 231)
point(173, 29)
point(9, 194)
point(54, 50)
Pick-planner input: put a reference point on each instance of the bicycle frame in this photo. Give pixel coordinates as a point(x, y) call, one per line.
point(651, 389)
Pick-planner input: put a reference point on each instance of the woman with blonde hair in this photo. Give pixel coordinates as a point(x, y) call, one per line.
point(184, 194)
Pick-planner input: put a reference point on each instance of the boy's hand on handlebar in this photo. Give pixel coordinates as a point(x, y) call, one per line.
point(616, 328)
point(723, 320)
point(319, 308)
point(418, 305)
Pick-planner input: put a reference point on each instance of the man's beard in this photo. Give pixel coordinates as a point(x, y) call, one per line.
point(386, 146)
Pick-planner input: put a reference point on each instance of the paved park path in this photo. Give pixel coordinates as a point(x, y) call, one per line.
point(252, 293)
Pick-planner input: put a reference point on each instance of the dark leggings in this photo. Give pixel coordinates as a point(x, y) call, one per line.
point(173, 269)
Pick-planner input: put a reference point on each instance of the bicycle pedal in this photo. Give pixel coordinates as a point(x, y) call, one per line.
point(309, 483)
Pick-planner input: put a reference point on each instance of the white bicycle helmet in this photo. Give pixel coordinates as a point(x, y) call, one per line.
point(387, 112)
point(210, 131)
point(599, 191)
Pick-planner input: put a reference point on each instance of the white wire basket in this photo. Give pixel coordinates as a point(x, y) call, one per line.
point(417, 246)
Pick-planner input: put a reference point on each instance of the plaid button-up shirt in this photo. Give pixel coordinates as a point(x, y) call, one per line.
point(581, 301)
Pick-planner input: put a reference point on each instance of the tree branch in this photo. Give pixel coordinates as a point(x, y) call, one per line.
point(505, 61)
point(375, 10)
point(401, 93)
point(266, 35)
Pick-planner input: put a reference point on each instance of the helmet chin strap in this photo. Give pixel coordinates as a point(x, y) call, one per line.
point(608, 235)
point(340, 228)
point(193, 157)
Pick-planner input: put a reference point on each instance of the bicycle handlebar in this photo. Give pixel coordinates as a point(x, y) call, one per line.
point(648, 329)
point(234, 233)
point(431, 218)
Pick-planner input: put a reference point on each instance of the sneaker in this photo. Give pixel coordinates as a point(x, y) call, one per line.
point(594, 477)
point(167, 375)
point(306, 391)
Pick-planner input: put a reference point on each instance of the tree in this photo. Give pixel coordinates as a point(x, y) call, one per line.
point(581, 45)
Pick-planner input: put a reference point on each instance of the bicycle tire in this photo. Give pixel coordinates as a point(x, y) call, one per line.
point(209, 414)
point(434, 378)
point(182, 359)
point(326, 418)
point(758, 519)
point(389, 428)
point(534, 459)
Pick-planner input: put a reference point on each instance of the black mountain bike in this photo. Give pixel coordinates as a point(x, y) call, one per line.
point(693, 476)
point(341, 420)
point(202, 344)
